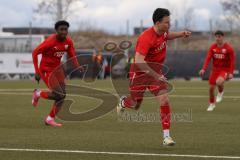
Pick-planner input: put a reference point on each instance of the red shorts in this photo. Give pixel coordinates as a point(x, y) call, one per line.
point(214, 76)
point(140, 84)
point(53, 79)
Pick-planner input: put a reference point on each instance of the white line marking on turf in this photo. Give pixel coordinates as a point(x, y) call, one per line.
point(19, 90)
point(199, 96)
point(14, 93)
point(118, 153)
point(177, 88)
point(174, 96)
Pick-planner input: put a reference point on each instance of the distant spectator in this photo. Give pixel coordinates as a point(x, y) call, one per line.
point(97, 63)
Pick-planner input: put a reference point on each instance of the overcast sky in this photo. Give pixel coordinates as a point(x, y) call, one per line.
point(111, 15)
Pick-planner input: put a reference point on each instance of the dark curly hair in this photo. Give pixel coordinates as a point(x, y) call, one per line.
point(61, 23)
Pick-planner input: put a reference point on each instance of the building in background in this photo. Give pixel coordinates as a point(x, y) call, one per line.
point(27, 30)
point(15, 53)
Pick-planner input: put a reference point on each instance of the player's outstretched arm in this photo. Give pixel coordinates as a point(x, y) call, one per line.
point(181, 34)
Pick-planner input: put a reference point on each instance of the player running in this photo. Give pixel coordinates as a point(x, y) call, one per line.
point(223, 64)
point(145, 72)
point(52, 50)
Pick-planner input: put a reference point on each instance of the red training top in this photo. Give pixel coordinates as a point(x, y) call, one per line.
point(52, 51)
point(223, 58)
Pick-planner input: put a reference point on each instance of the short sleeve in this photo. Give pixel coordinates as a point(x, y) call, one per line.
point(143, 45)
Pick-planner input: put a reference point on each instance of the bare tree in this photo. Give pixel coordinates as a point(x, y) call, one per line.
point(220, 24)
point(188, 18)
point(232, 12)
point(187, 13)
point(230, 21)
point(57, 9)
point(232, 6)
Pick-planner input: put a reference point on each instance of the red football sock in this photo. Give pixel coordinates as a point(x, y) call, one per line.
point(54, 111)
point(220, 89)
point(211, 96)
point(44, 94)
point(211, 99)
point(56, 108)
point(165, 116)
point(128, 102)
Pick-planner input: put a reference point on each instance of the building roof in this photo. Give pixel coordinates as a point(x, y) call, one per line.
point(26, 30)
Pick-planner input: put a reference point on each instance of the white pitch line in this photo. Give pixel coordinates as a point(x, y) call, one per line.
point(112, 89)
point(75, 95)
point(118, 153)
point(19, 90)
point(14, 93)
point(200, 96)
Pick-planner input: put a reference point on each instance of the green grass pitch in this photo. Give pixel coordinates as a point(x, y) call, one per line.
point(214, 133)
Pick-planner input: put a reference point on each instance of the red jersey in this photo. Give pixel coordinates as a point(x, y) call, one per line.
point(223, 58)
point(153, 46)
point(52, 51)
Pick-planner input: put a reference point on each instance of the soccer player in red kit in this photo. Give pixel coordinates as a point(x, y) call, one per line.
point(145, 72)
point(223, 64)
point(52, 50)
